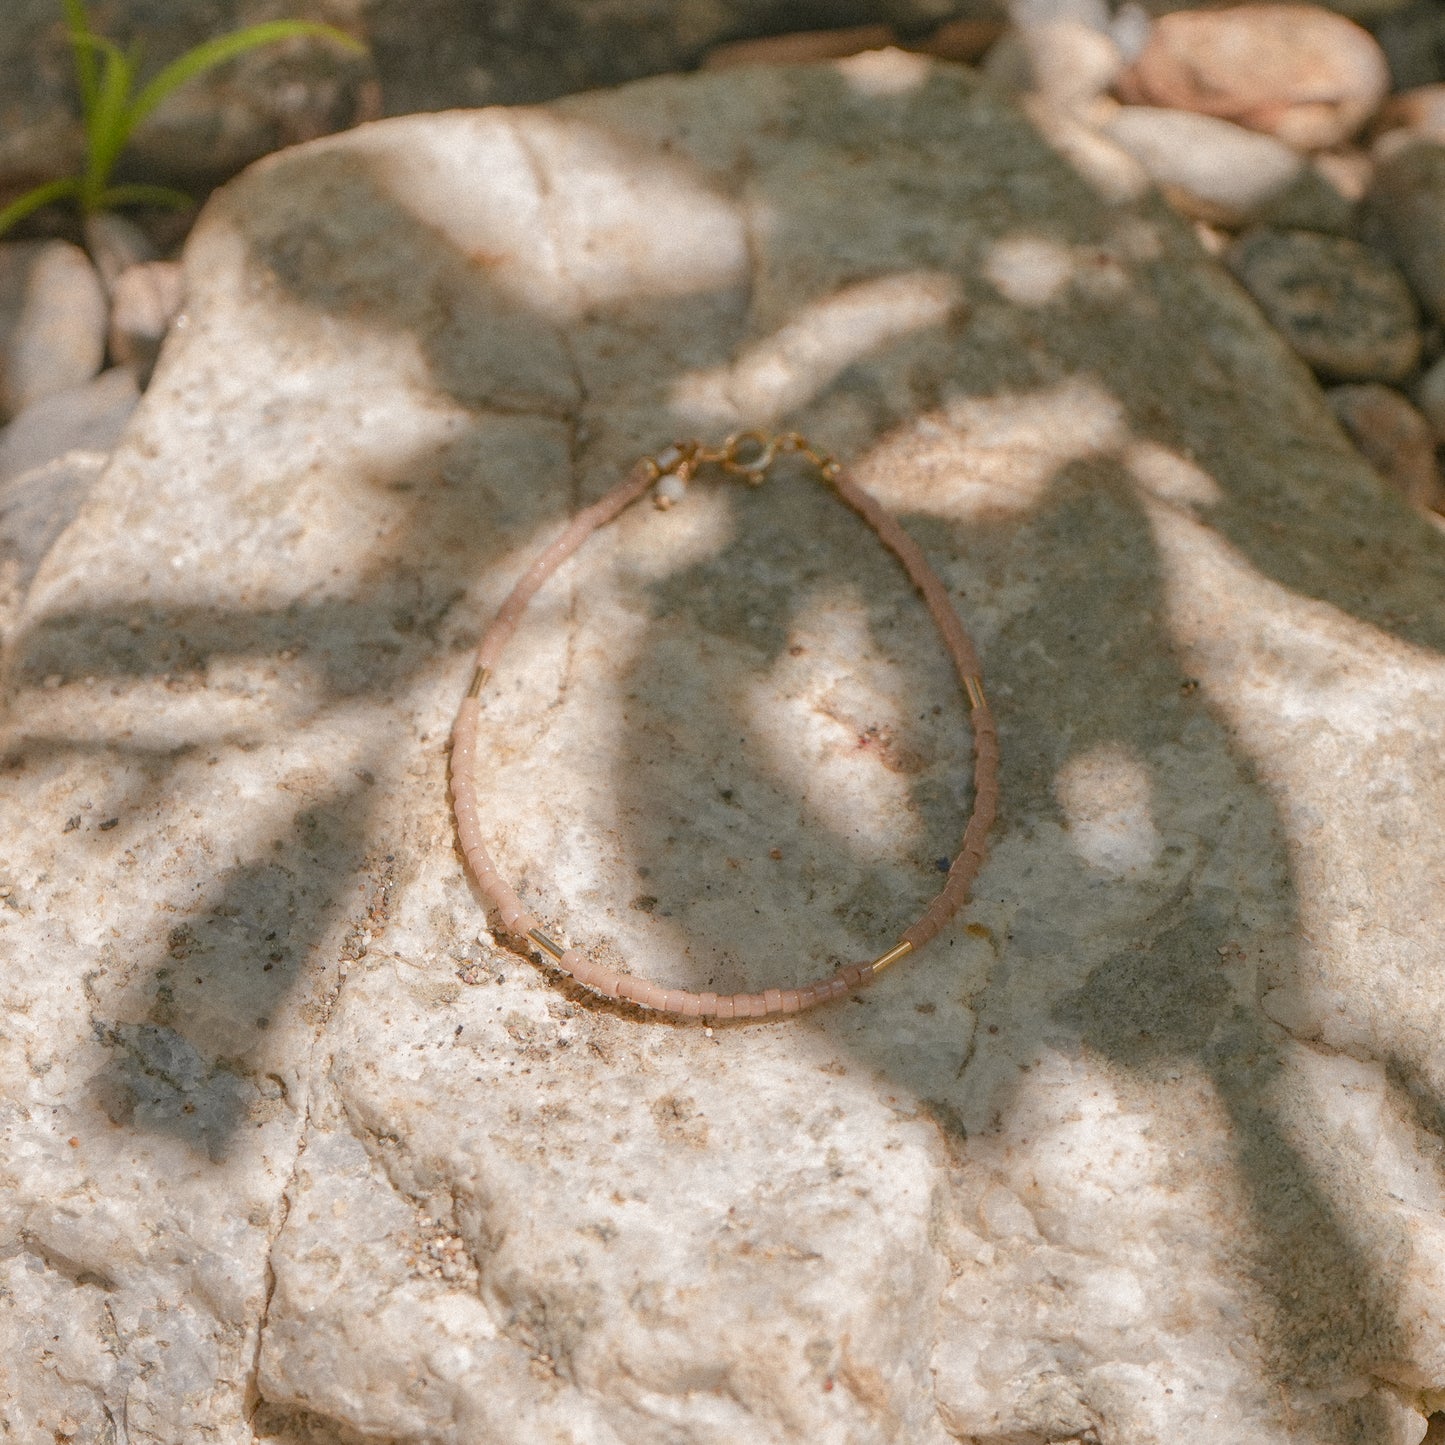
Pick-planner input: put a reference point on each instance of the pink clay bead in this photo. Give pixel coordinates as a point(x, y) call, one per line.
point(726, 1007)
point(772, 1000)
point(708, 1004)
point(640, 991)
point(575, 962)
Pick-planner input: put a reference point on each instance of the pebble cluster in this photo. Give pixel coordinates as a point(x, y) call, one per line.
point(1275, 129)
point(80, 330)
point(1309, 153)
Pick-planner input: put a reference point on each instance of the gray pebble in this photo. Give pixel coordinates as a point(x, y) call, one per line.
point(116, 243)
point(1430, 398)
point(1413, 39)
point(50, 457)
point(1393, 437)
point(1406, 210)
point(144, 302)
point(52, 321)
point(1342, 307)
point(86, 418)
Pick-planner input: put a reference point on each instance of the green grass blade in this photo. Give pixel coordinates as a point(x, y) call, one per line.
point(227, 47)
point(109, 127)
point(34, 199)
point(78, 23)
point(140, 195)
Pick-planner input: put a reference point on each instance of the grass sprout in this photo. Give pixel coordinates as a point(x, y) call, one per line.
point(113, 103)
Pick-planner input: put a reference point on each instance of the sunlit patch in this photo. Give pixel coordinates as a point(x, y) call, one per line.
point(986, 456)
point(565, 216)
point(1035, 271)
point(826, 720)
point(1170, 477)
point(1105, 797)
point(885, 72)
point(789, 368)
point(1029, 270)
point(684, 536)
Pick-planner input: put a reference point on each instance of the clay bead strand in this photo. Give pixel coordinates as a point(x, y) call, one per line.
point(748, 454)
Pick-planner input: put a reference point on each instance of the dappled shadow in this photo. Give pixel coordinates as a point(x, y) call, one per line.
point(1089, 663)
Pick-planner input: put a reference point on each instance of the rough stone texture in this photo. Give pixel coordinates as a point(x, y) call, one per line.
point(1147, 1146)
point(1298, 72)
point(1406, 211)
point(1395, 438)
point(52, 321)
point(1222, 173)
point(1342, 307)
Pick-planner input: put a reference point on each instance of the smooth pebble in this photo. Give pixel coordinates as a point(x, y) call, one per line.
point(52, 321)
point(1406, 213)
point(116, 243)
point(1298, 72)
point(1393, 437)
point(146, 299)
point(1430, 398)
point(1216, 171)
point(86, 418)
point(1341, 306)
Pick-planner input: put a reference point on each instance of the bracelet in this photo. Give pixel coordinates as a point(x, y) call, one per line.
point(749, 455)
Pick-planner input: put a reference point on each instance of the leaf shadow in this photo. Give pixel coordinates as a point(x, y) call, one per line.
point(184, 1038)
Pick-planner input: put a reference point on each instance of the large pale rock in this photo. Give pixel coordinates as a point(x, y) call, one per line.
point(1298, 72)
point(1145, 1149)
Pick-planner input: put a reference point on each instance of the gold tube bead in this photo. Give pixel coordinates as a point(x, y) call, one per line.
point(479, 681)
point(546, 944)
point(899, 950)
point(973, 686)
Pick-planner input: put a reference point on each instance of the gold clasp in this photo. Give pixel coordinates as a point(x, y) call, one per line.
point(746, 454)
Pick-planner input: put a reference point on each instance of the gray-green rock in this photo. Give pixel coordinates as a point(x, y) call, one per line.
point(1406, 206)
point(1341, 306)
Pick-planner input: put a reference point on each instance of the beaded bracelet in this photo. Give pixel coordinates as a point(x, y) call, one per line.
point(749, 455)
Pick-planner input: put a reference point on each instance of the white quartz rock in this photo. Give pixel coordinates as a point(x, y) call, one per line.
point(299, 1148)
